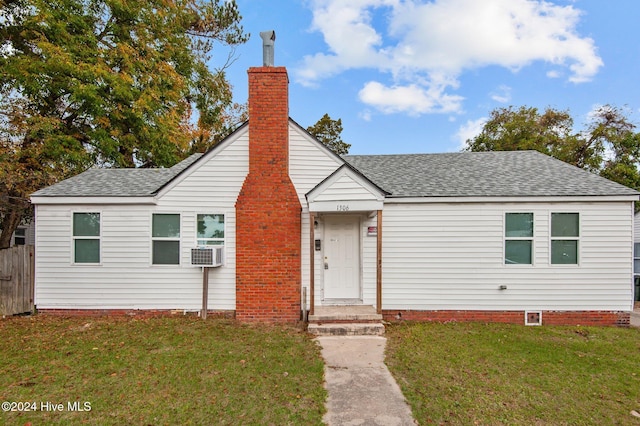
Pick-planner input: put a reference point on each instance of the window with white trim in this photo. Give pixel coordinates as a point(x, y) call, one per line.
point(518, 239)
point(86, 238)
point(165, 239)
point(636, 258)
point(210, 229)
point(565, 236)
point(20, 236)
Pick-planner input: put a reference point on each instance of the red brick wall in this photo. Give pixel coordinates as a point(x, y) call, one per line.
point(268, 222)
point(596, 318)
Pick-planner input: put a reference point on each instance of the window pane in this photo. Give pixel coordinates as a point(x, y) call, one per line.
point(166, 252)
point(636, 266)
point(636, 249)
point(87, 251)
point(210, 226)
point(517, 252)
point(86, 224)
point(519, 225)
point(564, 252)
point(565, 225)
point(166, 225)
point(20, 232)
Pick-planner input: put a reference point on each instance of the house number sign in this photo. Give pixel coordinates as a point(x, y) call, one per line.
point(342, 207)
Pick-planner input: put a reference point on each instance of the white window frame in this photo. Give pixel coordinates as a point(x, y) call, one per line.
point(178, 239)
point(221, 240)
point(86, 237)
point(552, 239)
point(23, 237)
point(505, 239)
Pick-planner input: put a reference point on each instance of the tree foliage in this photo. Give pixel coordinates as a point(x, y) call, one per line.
point(328, 132)
point(108, 82)
point(608, 145)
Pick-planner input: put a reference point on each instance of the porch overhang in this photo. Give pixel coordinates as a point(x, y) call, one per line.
point(345, 191)
point(345, 206)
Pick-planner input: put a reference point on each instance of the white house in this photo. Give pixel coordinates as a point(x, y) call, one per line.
point(459, 236)
point(25, 234)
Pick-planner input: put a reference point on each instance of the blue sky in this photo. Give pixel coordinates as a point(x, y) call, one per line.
point(410, 76)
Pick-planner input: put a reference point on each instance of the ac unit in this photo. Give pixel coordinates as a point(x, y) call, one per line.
point(211, 256)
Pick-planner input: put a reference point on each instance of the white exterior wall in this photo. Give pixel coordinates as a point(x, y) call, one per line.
point(436, 256)
point(440, 256)
point(29, 235)
point(369, 250)
point(309, 165)
point(126, 279)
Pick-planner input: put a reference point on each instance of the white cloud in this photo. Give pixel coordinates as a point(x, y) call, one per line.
point(412, 99)
point(502, 94)
point(424, 46)
point(553, 74)
point(365, 115)
point(469, 130)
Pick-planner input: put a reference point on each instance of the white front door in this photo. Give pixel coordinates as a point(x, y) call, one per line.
point(342, 258)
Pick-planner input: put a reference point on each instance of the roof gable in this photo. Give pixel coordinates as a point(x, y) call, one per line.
point(132, 183)
point(346, 189)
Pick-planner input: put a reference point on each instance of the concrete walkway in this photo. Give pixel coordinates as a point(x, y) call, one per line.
point(361, 389)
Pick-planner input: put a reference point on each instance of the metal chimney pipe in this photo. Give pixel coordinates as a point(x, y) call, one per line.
point(268, 37)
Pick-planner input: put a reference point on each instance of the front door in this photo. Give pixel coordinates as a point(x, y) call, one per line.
point(342, 258)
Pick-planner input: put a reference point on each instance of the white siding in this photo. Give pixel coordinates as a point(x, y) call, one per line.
point(450, 256)
point(369, 249)
point(29, 234)
point(126, 279)
point(345, 188)
point(309, 165)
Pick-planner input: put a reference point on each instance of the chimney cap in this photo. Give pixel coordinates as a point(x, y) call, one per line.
point(268, 38)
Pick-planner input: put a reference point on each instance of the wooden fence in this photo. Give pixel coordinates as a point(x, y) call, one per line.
point(16, 280)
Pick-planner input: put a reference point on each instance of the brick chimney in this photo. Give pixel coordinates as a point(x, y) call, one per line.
point(268, 224)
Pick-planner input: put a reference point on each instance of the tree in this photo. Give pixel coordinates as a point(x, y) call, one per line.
point(106, 82)
point(328, 131)
point(608, 146)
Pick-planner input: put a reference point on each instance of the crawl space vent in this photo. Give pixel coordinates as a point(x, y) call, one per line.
point(533, 318)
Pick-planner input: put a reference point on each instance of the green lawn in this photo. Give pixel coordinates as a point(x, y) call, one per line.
point(465, 374)
point(182, 370)
point(158, 371)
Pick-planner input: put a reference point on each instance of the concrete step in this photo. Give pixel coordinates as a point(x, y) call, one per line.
point(346, 317)
point(351, 313)
point(346, 329)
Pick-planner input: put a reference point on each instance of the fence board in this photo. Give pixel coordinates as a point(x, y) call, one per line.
point(16, 280)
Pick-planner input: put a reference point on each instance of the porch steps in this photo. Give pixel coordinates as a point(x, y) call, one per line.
point(353, 320)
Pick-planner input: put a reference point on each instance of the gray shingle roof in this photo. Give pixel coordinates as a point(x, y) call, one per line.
point(481, 174)
point(464, 174)
point(116, 182)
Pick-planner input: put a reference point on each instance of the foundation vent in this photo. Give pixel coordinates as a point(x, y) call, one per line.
point(533, 318)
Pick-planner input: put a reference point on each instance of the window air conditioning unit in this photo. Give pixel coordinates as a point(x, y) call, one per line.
point(207, 256)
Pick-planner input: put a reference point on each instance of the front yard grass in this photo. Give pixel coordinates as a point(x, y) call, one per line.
point(158, 371)
point(464, 373)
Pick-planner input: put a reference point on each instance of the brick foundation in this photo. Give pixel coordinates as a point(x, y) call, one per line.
point(268, 211)
point(585, 318)
point(143, 313)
